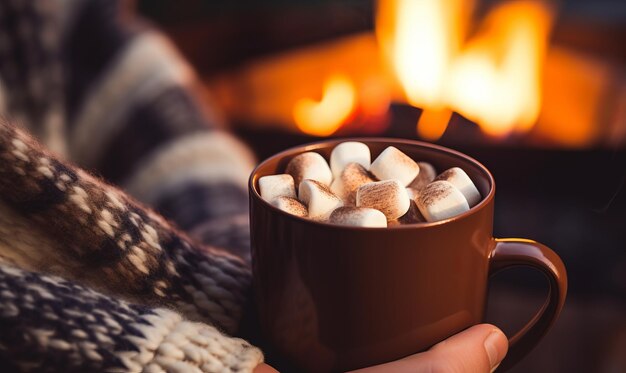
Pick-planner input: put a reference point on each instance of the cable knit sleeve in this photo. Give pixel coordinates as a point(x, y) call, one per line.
point(141, 118)
point(131, 109)
point(50, 324)
point(106, 240)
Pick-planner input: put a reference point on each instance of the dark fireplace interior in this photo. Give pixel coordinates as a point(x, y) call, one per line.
point(555, 185)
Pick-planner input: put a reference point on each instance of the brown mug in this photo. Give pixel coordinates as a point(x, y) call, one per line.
point(336, 298)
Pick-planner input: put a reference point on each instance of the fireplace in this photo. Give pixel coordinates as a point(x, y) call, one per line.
point(535, 92)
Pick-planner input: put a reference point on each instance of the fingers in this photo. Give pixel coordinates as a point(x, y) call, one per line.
point(479, 349)
point(264, 368)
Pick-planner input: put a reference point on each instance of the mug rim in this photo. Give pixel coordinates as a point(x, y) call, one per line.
point(391, 141)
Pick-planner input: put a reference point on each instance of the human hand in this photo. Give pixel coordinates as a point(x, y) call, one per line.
point(479, 349)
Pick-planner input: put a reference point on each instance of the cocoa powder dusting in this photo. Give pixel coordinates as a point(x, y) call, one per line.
point(377, 196)
point(297, 165)
point(292, 206)
point(400, 157)
point(434, 192)
point(353, 176)
point(340, 215)
point(324, 189)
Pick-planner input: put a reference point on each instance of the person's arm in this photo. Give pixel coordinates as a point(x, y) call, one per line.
point(105, 239)
point(103, 89)
point(139, 116)
point(54, 325)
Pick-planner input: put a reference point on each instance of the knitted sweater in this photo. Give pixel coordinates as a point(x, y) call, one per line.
point(90, 278)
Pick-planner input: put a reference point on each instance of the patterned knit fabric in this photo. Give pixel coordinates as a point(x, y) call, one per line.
point(90, 278)
point(50, 324)
point(99, 87)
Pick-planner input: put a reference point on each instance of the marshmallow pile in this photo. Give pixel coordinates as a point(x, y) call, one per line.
point(393, 189)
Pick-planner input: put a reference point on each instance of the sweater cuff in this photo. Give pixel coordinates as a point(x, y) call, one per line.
point(187, 346)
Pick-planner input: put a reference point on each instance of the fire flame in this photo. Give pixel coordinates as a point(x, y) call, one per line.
point(494, 79)
point(420, 38)
point(324, 117)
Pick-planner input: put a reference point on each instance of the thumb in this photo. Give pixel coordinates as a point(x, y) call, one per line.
point(479, 349)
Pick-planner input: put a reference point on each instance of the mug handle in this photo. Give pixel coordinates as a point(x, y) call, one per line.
point(513, 252)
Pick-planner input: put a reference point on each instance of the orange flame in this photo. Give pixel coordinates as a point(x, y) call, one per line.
point(324, 117)
point(420, 38)
point(493, 79)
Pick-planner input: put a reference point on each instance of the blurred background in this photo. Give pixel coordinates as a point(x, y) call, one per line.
point(536, 91)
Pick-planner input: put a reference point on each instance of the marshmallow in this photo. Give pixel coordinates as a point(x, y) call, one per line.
point(318, 198)
point(353, 176)
point(393, 164)
point(412, 192)
point(387, 196)
point(441, 200)
point(457, 177)
point(426, 175)
point(358, 216)
point(413, 216)
point(290, 205)
point(349, 152)
point(309, 165)
point(273, 186)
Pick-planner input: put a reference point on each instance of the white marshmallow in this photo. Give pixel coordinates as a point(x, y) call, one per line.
point(309, 165)
point(393, 164)
point(457, 177)
point(290, 205)
point(353, 176)
point(426, 175)
point(358, 216)
point(318, 198)
point(349, 152)
point(441, 200)
point(387, 196)
point(412, 192)
point(273, 186)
